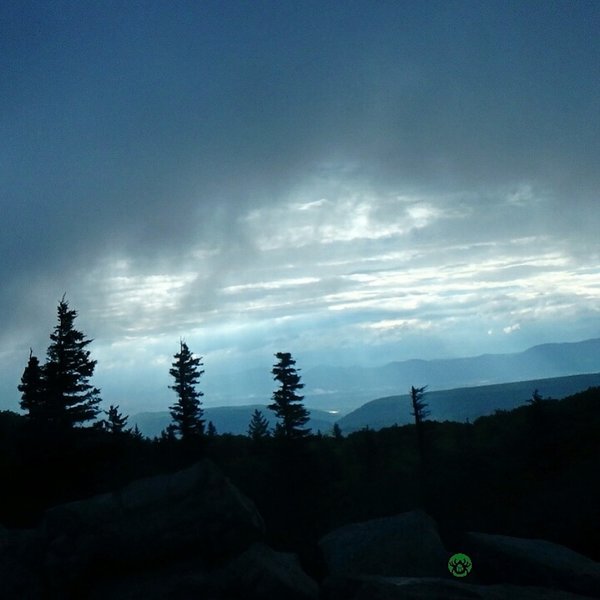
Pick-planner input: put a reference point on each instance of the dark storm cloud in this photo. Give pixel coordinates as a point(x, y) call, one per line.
point(123, 120)
point(156, 155)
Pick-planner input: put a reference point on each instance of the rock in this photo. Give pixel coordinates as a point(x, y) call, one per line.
point(532, 562)
point(404, 545)
point(21, 557)
point(430, 588)
point(186, 579)
point(261, 573)
point(194, 512)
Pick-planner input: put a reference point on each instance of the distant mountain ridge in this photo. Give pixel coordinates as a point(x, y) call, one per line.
point(457, 404)
point(461, 404)
point(540, 362)
point(227, 419)
point(349, 387)
point(346, 389)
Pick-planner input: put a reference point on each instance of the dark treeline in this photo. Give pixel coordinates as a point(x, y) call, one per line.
point(530, 472)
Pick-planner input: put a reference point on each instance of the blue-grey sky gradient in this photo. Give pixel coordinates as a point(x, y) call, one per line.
point(353, 182)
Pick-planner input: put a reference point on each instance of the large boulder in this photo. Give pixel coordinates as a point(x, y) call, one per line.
point(183, 580)
point(261, 573)
point(404, 545)
point(430, 588)
point(532, 562)
point(194, 512)
point(21, 557)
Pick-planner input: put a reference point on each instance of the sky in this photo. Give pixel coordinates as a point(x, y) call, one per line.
point(353, 182)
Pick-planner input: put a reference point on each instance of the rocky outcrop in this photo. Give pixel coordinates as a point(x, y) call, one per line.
point(180, 580)
point(260, 572)
point(21, 557)
point(194, 512)
point(405, 545)
point(158, 537)
point(533, 562)
point(428, 588)
point(192, 535)
point(403, 557)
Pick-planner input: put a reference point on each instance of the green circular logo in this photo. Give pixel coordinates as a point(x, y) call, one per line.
point(460, 565)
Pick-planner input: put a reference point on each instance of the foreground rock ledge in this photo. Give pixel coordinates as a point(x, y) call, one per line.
point(522, 561)
point(192, 534)
point(194, 512)
point(431, 588)
point(404, 545)
point(180, 536)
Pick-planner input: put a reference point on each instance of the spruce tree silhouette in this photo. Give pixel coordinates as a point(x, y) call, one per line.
point(258, 428)
point(32, 389)
point(420, 414)
point(69, 397)
point(337, 432)
point(115, 422)
point(287, 405)
point(211, 430)
point(186, 412)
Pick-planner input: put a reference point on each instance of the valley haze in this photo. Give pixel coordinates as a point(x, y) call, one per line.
point(462, 405)
point(333, 392)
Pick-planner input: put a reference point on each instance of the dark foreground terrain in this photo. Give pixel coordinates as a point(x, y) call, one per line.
point(87, 514)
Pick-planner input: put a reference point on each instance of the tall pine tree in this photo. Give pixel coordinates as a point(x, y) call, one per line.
point(186, 412)
point(287, 405)
point(69, 397)
point(115, 421)
point(32, 389)
point(258, 428)
point(420, 413)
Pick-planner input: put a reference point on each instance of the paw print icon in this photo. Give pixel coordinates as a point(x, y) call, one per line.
point(460, 565)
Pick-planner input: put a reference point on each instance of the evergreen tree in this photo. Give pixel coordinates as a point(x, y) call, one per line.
point(32, 388)
point(186, 412)
point(420, 414)
point(536, 398)
point(287, 405)
point(135, 433)
point(115, 421)
point(70, 398)
point(258, 428)
point(418, 404)
point(537, 420)
point(168, 433)
point(211, 430)
point(337, 432)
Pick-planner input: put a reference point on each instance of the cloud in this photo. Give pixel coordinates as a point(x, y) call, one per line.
point(250, 176)
point(511, 328)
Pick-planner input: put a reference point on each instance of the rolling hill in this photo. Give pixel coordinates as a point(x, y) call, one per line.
point(227, 419)
point(463, 403)
point(457, 404)
point(347, 388)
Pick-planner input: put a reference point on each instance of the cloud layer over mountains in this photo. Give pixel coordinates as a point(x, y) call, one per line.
point(351, 183)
